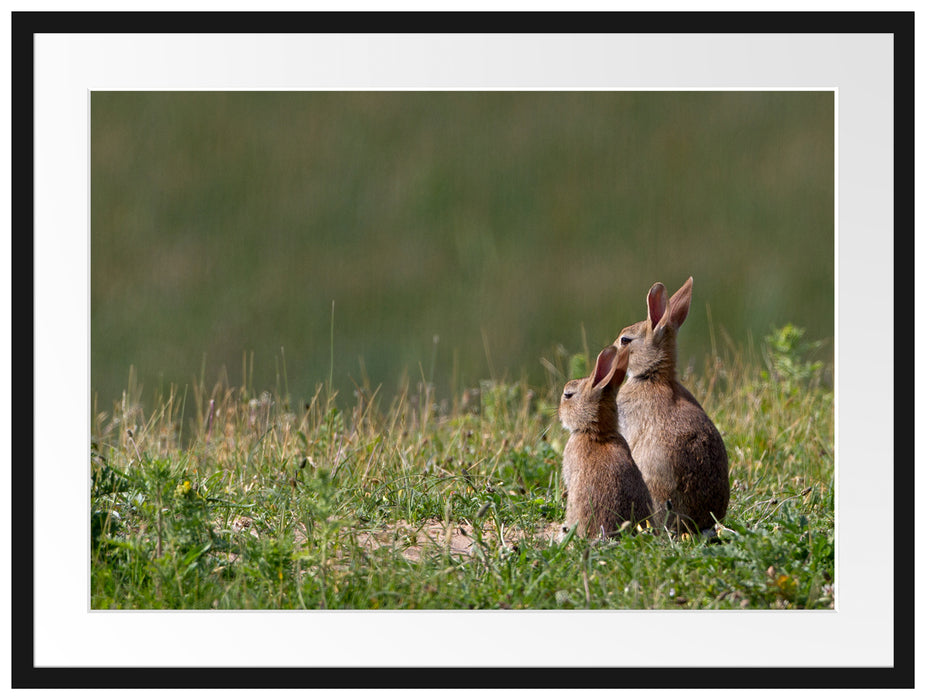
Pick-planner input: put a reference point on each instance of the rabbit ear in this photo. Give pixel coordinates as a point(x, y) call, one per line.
point(620, 366)
point(680, 303)
point(604, 367)
point(656, 303)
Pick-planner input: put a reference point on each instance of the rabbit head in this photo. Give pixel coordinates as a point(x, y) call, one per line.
point(588, 404)
point(651, 342)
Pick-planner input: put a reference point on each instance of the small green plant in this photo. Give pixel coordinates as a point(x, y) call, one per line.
point(786, 357)
point(578, 366)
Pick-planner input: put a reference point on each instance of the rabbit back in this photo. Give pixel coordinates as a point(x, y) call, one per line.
point(680, 453)
point(604, 488)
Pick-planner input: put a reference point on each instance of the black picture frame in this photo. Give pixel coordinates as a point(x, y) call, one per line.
point(25, 27)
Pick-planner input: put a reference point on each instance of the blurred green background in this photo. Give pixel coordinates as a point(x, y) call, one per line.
point(504, 224)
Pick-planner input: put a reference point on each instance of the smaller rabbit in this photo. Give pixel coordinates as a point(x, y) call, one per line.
point(603, 486)
point(677, 447)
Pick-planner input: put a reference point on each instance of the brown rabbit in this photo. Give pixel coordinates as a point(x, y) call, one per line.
point(604, 488)
point(674, 443)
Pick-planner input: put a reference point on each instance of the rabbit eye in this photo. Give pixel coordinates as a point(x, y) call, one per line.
point(626, 340)
point(568, 394)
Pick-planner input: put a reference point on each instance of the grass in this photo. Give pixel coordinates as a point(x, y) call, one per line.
point(223, 498)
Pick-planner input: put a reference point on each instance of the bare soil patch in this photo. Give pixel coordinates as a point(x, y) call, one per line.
point(459, 538)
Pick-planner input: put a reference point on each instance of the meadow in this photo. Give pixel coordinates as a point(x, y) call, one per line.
point(426, 505)
point(329, 330)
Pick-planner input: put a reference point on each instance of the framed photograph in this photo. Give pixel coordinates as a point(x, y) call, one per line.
point(305, 290)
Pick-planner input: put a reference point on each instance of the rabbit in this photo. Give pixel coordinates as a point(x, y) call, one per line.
point(603, 486)
point(676, 446)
